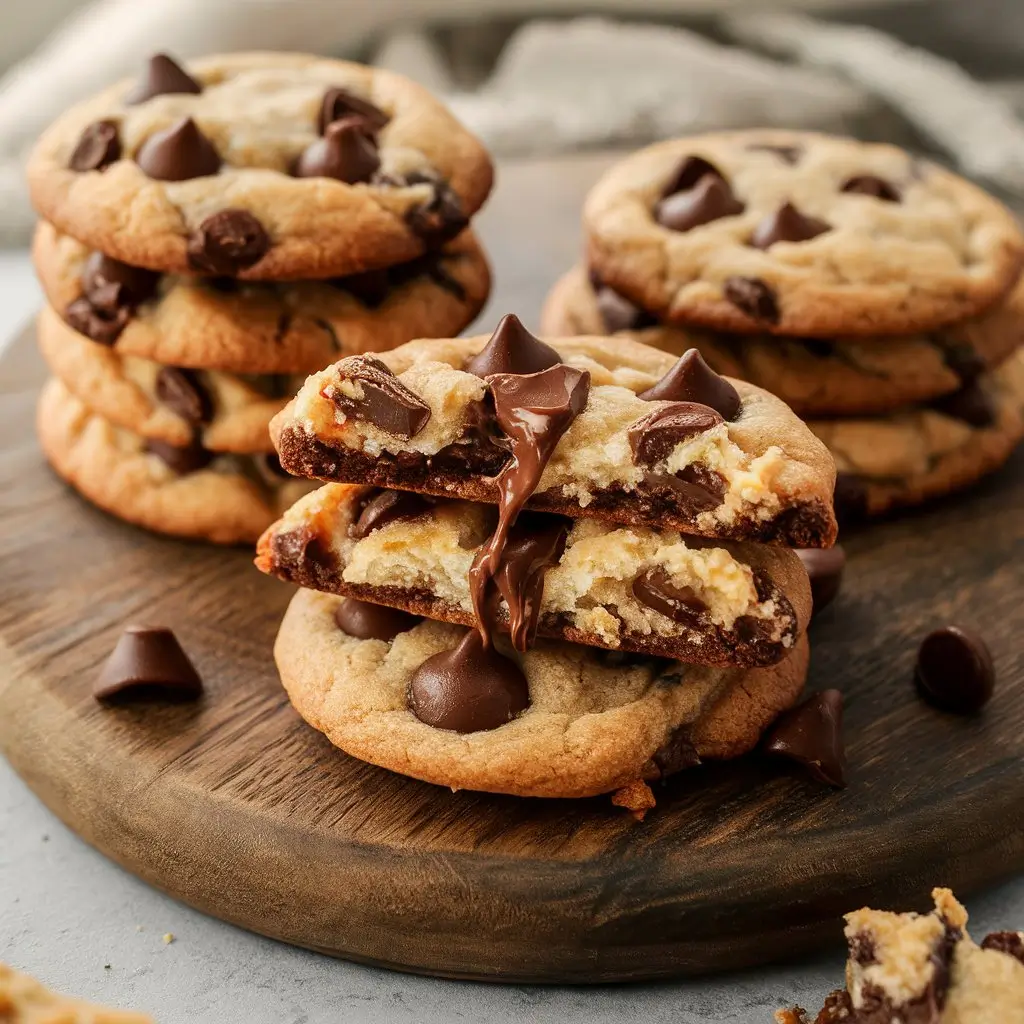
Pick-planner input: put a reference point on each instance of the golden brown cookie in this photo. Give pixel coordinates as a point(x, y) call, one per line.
point(23, 1000)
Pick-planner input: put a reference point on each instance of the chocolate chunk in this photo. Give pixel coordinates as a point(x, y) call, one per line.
point(692, 169)
point(96, 324)
point(340, 103)
point(369, 391)
point(753, 297)
point(512, 349)
point(227, 242)
point(373, 621)
point(862, 949)
point(148, 662)
point(954, 670)
point(162, 77)
point(694, 488)
point(386, 507)
point(970, 404)
point(850, 498)
point(469, 689)
point(677, 753)
point(655, 589)
point(870, 185)
point(619, 314)
point(182, 461)
point(692, 380)
point(1010, 943)
point(439, 219)
point(825, 568)
point(656, 435)
point(812, 735)
point(961, 358)
point(787, 224)
point(98, 147)
point(787, 154)
point(710, 199)
point(346, 152)
point(302, 548)
point(183, 393)
point(110, 284)
point(371, 287)
point(178, 153)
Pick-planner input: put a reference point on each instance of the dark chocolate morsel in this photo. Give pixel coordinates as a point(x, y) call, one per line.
point(441, 217)
point(754, 297)
point(677, 753)
point(694, 488)
point(339, 103)
point(386, 507)
point(100, 326)
point(691, 170)
point(850, 498)
point(512, 349)
point(110, 284)
point(970, 404)
point(98, 147)
point(692, 380)
point(182, 461)
point(178, 153)
point(654, 436)
point(372, 621)
point(148, 662)
point(469, 689)
point(787, 224)
point(227, 242)
point(162, 77)
point(183, 393)
point(710, 199)
point(954, 670)
point(618, 313)
point(346, 152)
point(382, 399)
point(1010, 943)
point(655, 589)
point(788, 154)
point(371, 287)
point(825, 568)
point(871, 185)
point(302, 548)
point(812, 735)
point(961, 357)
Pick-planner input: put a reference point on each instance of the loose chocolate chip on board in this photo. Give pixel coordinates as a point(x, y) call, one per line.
point(871, 185)
point(825, 568)
point(691, 170)
point(182, 461)
point(787, 224)
point(709, 200)
point(98, 147)
point(512, 349)
point(110, 284)
point(162, 77)
point(692, 380)
point(1011, 943)
point(102, 327)
point(386, 507)
point(788, 154)
point(954, 670)
point(183, 393)
point(148, 662)
point(812, 735)
point(441, 217)
point(970, 404)
point(656, 435)
point(338, 103)
point(752, 296)
point(373, 621)
point(369, 391)
point(346, 152)
point(227, 242)
point(655, 589)
point(178, 153)
point(618, 313)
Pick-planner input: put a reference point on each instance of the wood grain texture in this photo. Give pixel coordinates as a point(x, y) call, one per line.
point(236, 807)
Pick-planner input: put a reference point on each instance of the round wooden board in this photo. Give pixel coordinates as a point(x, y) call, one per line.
point(235, 806)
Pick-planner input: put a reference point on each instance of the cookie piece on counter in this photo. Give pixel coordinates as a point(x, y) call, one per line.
point(23, 1000)
point(280, 167)
point(220, 323)
point(587, 427)
point(847, 376)
point(801, 234)
point(588, 722)
point(186, 492)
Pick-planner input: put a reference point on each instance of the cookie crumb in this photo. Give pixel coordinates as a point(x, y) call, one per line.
point(168, 939)
point(636, 797)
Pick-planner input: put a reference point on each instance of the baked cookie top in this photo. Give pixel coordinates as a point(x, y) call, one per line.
point(847, 376)
point(264, 166)
point(23, 1000)
point(220, 323)
point(800, 234)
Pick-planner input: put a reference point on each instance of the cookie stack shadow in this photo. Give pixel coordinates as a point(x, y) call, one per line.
point(876, 294)
point(211, 236)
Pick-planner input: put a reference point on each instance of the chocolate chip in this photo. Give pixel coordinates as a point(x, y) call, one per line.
point(439, 219)
point(970, 404)
point(178, 153)
point(812, 735)
point(862, 949)
point(98, 147)
point(147, 662)
point(1011, 943)
point(655, 589)
point(694, 489)
point(787, 224)
point(227, 242)
point(346, 152)
point(387, 507)
point(954, 670)
point(787, 154)
point(692, 380)
point(754, 297)
point(373, 621)
point(96, 324)
point(110, 284)
point(512, 349)
point(431, 265)
point(162, 77)
point(871, 185)
point(850, 498)
point(469, 689)
point(825, 568)
point(691, 170)
point(300, 550)
point(962, 358)
point(677, 753)
point(369, 391)
point(183, 393)
point(656, 435)
point(182, 461)
point(371, 287)
point(619, 314)
point(710, 199)
point(340, 103)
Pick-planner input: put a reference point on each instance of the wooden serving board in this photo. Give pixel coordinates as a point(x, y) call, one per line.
point(235, 806)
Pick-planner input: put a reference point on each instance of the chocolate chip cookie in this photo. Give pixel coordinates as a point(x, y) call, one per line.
point(260, 166)
point(220, 323)
point(846, 376)
point(798, 234)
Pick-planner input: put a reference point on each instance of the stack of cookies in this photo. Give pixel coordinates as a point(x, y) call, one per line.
point(210, 236)
point(873, 292)
point(555, 568)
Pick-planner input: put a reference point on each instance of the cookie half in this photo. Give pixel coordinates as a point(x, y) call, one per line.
point(596, 721)
point(814, 376)
point(799, 234)
point(418, 419)
point(227, 499)
point(219, 323)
